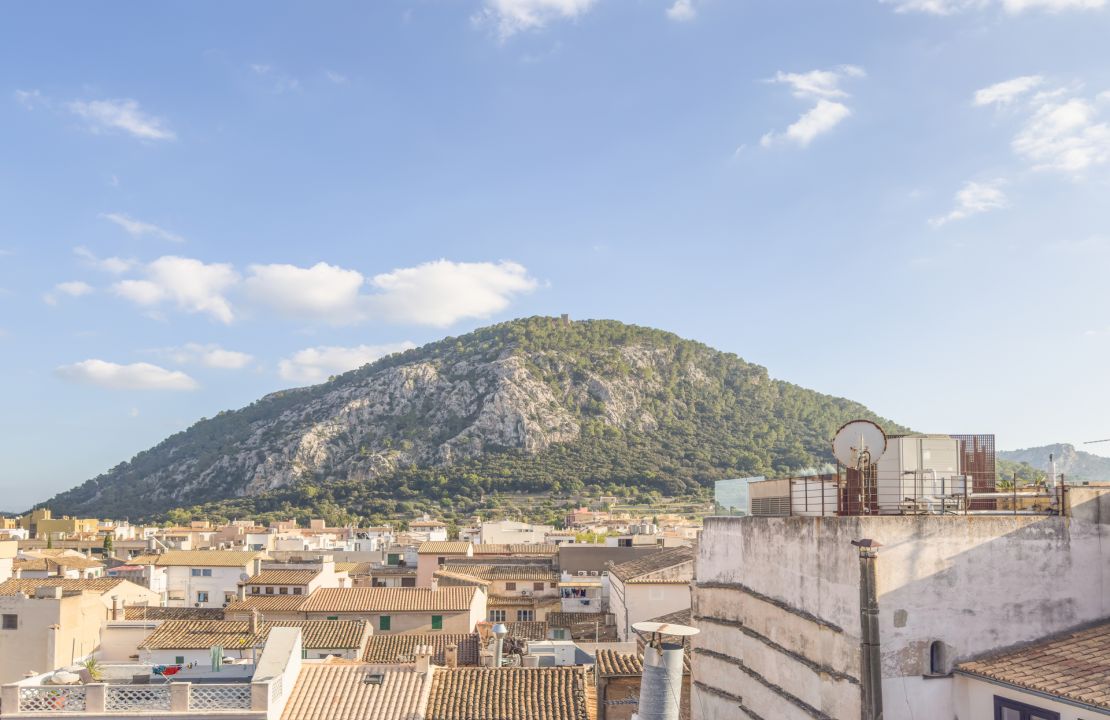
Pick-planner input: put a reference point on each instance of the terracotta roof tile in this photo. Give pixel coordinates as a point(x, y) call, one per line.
point(328, 691)
point(491, 571)
point(283, 577)
point(447, 547)
point(447, 577)
point(515, 549)
point(634, 571)
point(198, 558)
point(611, 663)
point(28, 585)
point(268, 603)
point(203, 634)
point(388, 649)
point(404, 599)
point(1074, 666)
point(528, 630)
point(548, 693)
point(144, 612)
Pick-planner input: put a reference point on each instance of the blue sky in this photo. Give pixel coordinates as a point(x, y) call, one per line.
point(900, 202)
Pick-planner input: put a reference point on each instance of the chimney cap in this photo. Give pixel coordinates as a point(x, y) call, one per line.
point(867, 543)
point(500, 630)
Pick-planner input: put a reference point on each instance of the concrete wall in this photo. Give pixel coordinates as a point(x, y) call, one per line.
point(401, 623)
point(222, 581)
point(778, 600)
point(120, 640)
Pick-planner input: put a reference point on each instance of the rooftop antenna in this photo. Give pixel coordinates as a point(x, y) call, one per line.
point(858, 445)
point(661, 682)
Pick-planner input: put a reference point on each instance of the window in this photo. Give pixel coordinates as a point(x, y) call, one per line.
point(437, 622)
point(537, 586)
point(332, 617)
point(558, 634)
point(195, 572)
point(392, 558)
point(938, 660)
point(510, 586)
point(202, 597)
point(1007, 709)
point(269, 591)
point(201, 572)
point(440, 560)
point(497, 616)
point(179, 660)
point(206, 572)
point(11, 622)
point(383, 622)
point(296, 591)
point(255, 590)
point(525, 615)
point(283, 591)
point(408, 582)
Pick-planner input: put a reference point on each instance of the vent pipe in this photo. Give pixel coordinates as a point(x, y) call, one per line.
point(499, 633)
point(451, 655)
point(871, 677)
point(661, 683)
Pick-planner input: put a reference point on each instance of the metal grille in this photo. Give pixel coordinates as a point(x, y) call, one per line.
point(220, 697)
point(275, 689)
point(51, 699)
point(771, 506)
point(137, 697)
point(977, 462)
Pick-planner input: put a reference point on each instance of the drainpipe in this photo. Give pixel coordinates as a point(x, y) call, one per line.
point(871, 675)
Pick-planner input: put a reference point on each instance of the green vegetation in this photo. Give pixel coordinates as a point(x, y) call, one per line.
point(700, 415)
point(1007, 470)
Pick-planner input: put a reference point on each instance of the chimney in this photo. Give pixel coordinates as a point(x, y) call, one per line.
point(423, 654)
point(242, 591)
point(115, 608)
point(53, 592)
point(435, 584)
point(451, 654)
point(254, 624)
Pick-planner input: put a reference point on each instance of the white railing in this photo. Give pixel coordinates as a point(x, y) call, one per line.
point(129, 698)
point(51, 699)
point(220, 697)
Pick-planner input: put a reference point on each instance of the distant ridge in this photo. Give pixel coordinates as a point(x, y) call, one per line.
point(1077, 465)
point(537, 405)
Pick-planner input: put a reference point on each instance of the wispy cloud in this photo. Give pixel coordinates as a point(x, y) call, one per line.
point(114, 265)
point(509, 17)
point(336, 78)
point(279, 82)
point(1062, 130)
point(955, 7)
point(124, 114)
point(135, 376)
point(682, 11)
point(208, 355)
point(139, 228)
point(73, 288)
point(822, 87)
point(29, 99)
point(972, 199)
point(314, 365)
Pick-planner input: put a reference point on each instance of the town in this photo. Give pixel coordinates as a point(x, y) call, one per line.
point(907, 583)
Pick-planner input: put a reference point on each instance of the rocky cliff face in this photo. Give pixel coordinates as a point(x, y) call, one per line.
point(1076, 465)
point(522, 387)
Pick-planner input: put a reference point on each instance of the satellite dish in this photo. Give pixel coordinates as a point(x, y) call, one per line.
point(244, 577)
point(856, 439)
point(656, 628)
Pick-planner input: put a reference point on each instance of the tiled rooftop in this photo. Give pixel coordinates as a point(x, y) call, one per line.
point(378, 599)
point(203, 634)
point(28, 585)
point(635, 571)
point(46, 564)
point(283, 577)
point(198, 558)
point(268, 603)
point(340, 691)
point(515, 549)
point(143, 612)
point(1074, 666)
point(611, 663)
point(549, 693)
point(446, 547)
point(389, 649)
point(571, 619)
point(528, 630)
point(505, 572)
point(447, 577)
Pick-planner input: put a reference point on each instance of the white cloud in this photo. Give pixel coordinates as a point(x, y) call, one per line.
point(442, 292)
point(820, 86)
point(114, 265)
point(972, 199)
point(123, 115)
point(279, 82)
point(313, 365)
point(29, 99)
point(336, 78)
point(682, 10)
point(1064, 135)
point(208, 355)
point(824, 116)
point(1006, 92)
point(192, 285)
point(323, 291)
point(1062, 130)
point(512, 16)
point(73, 288)
point(139, 228)
point(136, 376)
point(953, 7)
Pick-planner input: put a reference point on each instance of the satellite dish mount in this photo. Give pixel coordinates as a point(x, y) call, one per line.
point(858, 445)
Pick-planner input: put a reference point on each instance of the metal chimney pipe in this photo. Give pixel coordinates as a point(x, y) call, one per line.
point(871, 680)
point(499, 633)
point(661, 683)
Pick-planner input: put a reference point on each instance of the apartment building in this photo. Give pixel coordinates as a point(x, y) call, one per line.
point(200, 578)
point(653, 585)
point(401, 610)
point(432, 555)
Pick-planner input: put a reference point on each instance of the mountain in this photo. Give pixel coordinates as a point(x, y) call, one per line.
point(1076, 465)
point(537, 405)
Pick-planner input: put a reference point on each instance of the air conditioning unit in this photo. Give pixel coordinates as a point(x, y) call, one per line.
point(526, 593)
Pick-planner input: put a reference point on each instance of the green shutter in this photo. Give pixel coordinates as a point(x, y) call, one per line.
point(392, 559)
point(437, 622)
point(383, 622)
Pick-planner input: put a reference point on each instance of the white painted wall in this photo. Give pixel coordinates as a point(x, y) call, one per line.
point(975, 699)
point(179, 579)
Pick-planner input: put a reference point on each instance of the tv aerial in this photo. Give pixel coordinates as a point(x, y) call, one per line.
point(858, 444)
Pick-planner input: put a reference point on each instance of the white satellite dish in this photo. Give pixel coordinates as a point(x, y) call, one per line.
point(856, 439)
point(665, 629)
